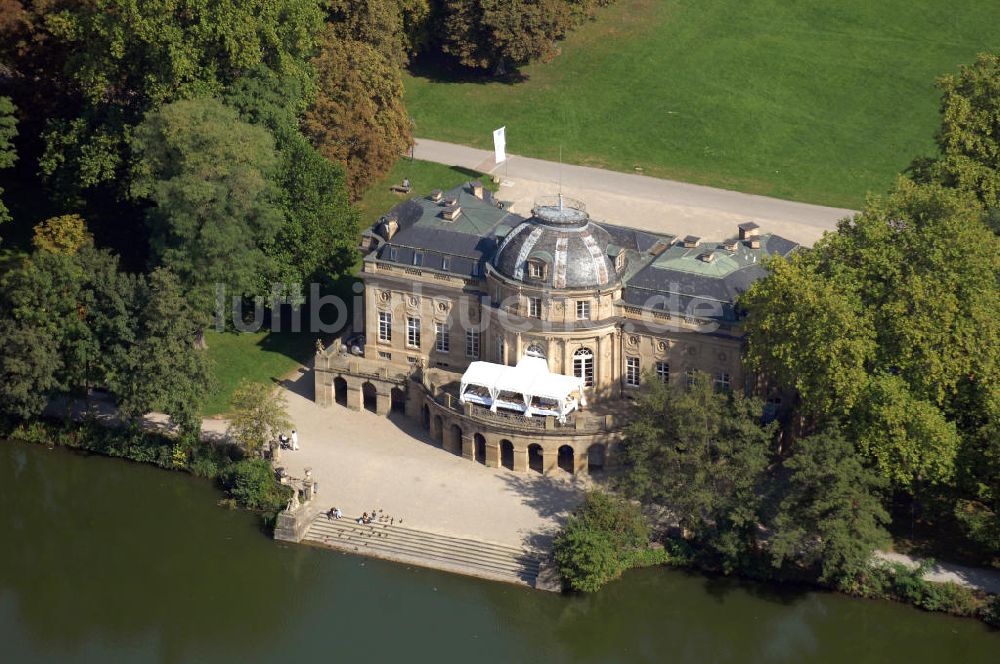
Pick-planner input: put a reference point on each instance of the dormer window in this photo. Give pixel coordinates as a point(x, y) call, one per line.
point(620, 262)
point(536, 269)
point(393, 254)
point(418, 259)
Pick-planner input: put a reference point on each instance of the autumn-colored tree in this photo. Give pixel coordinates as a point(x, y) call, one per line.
point(65, 234)
point(260, 414)
point(357, 117)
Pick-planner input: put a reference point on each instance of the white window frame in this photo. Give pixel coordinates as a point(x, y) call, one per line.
point(412, 332)
point(472, 343)
point(534, 307)
point(418, 259)
point(446, 263)
point(583, 365)
point(583, 309)
point(632, 371)
point(442, 341)
point(663, 371)
point(385, 327)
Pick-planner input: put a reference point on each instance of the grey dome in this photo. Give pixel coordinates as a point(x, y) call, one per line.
point(560, 236)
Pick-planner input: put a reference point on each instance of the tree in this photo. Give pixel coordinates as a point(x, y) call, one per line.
point(66, 316)
point(357, 118)
point(969, 138)
point(112, 62)
point(64, 234)
point(907, 438)
point(162, 370)
point(830, 515)
point(318, 236)
point(702, 454)
point(394, 28)
point(260, 414)
point(808, 333)
point(207, 175)
point(596, 544)
point(8, 130)
point(502, 34)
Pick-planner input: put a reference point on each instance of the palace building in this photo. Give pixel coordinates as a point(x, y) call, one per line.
point(455, 280)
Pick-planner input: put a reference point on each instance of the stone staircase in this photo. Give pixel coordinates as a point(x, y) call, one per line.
point(488, 560)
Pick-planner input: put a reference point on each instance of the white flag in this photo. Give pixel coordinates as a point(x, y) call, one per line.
point(500, 144)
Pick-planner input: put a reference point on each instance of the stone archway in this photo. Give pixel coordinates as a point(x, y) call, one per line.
point(480, 448)
point(507, 454)
point(566, 458)
point(340, 390)
point(398, 400)
point(455, 444)
point(437, 431)
point(596, 457)
point(535, 459)
point(369, 396)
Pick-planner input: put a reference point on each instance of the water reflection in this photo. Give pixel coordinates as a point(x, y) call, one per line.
point(103, 559)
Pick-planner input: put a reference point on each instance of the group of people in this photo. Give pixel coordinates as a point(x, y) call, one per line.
point(334, 513)
point(289, 441)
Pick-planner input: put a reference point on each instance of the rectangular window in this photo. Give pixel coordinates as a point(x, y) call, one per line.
point(413, 332)
point(500, 349)
point(472, 343)
point(663, 371)
point(632, 371)
point(722, 381)
point(535, 270)
point(583, 309)
point(689, 374)
point(384, 355)
point(445, 263)
point(418, 259)
point(441, 341)
point(534, 307)
point(385, 326)
point(392, 253)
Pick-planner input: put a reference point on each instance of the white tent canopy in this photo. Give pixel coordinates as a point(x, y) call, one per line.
point(528, 388)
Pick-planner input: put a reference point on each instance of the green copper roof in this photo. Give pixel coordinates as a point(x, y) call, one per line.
point(723, 262)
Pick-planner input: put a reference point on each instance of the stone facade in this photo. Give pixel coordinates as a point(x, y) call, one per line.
point(441, 293)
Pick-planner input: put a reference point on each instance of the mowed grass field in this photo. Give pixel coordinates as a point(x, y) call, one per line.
point(809, 100)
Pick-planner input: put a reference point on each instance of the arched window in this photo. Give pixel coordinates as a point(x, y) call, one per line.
point(534, 350)
point(583, 366)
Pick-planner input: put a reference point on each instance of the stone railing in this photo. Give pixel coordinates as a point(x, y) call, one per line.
point(575, 422)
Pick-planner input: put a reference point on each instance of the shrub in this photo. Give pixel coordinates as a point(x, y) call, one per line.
point(991, 611)
point(251, 482)
point(605, 537)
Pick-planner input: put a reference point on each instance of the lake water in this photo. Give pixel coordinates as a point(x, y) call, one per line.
point(107, 561)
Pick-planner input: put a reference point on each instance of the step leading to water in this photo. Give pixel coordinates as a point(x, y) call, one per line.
point(488, 560)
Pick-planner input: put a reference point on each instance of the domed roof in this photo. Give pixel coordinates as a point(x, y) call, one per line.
point(565, 248)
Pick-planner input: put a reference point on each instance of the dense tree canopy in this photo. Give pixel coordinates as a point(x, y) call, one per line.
point(8, 130)
point(702, 454)
point(357, 117)
point(969, 138)
point(208, 175)
point(115, 60)
point(829, 514)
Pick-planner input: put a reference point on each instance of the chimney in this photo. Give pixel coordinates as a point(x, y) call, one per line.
point(436, 195)
point(477, 189)
point(451, 212)
point(729, 245)
point(707, 256)
point(748, 230)
point(755, 242)
point(387, 227)
point(691, 241)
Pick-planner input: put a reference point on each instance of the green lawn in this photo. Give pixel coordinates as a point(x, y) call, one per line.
point(424, 176)
point(262, 357)
point(810, 100)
